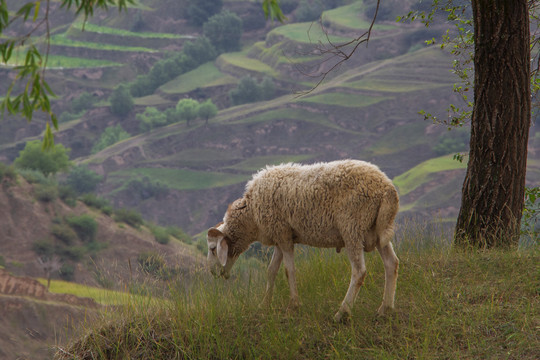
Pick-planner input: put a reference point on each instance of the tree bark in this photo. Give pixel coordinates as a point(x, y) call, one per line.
point(493, 190)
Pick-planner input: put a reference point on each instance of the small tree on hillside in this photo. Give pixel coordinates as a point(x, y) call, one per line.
point(121, 101)
point(151, 118)
point(187, 109)
point(207, 110)
point(111, 135)
point(48, 162)
point(224, 31)
point(83, 180)
point(200, 10)
point(247, 91)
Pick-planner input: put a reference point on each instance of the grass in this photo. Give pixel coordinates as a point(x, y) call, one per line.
point(307, 33)
point(344, 99)
point(101, 296)
point(449, 305)
point(89, 27)
point(240, 60)
point(419, 174)
point(207, 74)
point(351, 16)
point(63, 40)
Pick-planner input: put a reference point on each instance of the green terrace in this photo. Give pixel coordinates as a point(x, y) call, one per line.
point(63, 40)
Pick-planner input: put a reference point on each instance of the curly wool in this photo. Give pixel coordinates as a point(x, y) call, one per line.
point(338, 204)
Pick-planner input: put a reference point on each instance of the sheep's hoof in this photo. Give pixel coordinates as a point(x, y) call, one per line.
point(342, 318)
point(384, 310)
point(293, 306)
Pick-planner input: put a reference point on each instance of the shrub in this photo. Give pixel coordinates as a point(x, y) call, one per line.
point(309, 10)
point(224, 30)
point(94, 201)
point(82, 103)
point(63, 233)
point(111, 135)
point(145, 188)
point(48, 161)
point(7, 172)
point(43, 248)
point(35, 177)
point(160, 234)
point(179, 234)
point(67, 195)
point(199, 11)
point(45, 193)
point(121, 101)
point(67, 271)
point(130, 217)
point(2, 261)
point(84, 225)
point(74, 253)
point(247, 91)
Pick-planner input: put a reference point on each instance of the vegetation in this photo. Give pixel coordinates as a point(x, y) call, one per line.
point(224, 31)
point(84, 225)
point(128, 216)
point(449, 305)
point(199, 11)
point(111, 135)
point(83, 180)
point(121, 101)
point(47, 162)
point(248, 90)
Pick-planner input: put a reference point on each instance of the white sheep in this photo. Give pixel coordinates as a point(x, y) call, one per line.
point(342, 204)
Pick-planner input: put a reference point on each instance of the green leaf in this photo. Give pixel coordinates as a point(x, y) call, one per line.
point(36, 10)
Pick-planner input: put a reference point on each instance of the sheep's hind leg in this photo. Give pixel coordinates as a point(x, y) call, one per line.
point(273, 268)
point(288, 261)
point(358, 273)
point(391, 264)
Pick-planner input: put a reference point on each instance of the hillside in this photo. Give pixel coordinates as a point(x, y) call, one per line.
point(367, 108)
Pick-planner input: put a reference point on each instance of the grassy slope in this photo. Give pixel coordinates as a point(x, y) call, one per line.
point(448, 306)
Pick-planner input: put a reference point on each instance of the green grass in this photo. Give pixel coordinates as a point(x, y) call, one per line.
point(240, 60)
point(418, 175)
point(344, 99)
point(65, 62)
point(352, 16)
point(308, 33)
point(89, 27)
point(449, 305)
point(178, 178)
point(62, 40)
point(206, 75)
point(101, 296)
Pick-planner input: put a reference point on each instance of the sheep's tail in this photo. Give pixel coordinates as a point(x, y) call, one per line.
point(384, 225)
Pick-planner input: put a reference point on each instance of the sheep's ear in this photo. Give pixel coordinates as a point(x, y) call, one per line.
point(222, 251)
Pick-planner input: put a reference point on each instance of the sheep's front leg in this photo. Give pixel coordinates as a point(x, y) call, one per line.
point(391, 264)
point(288, 261)
point(358, 273)
point(273, 268)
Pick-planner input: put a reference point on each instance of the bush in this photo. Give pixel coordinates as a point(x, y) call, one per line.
point(67, 271)
point(199, 11)
point(74, 253)
point(224, 30)
point(64, 233)
point(48, 161)
point(46, 193)
point(94, 201)
point(121, 101)
point(83, 180)
point(145, 188)
point(247, 91)
point(2, 261)
point(130, 217)
point(44, 248)
point(35, 177)
point(7, 172)
point(160, 234)
point(452, 142)
point(82, 103)
point(111, 135)
point(67, 195)
point(84, 225)
point(179, 234)
point(309, 10)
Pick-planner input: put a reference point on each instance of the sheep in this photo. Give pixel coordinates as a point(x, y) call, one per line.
point(347, 204)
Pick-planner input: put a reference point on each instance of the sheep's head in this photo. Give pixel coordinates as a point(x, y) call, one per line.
point(226, 240)
point(218, 259)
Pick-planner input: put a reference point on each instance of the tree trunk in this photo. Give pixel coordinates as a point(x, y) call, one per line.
point(493, 191)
